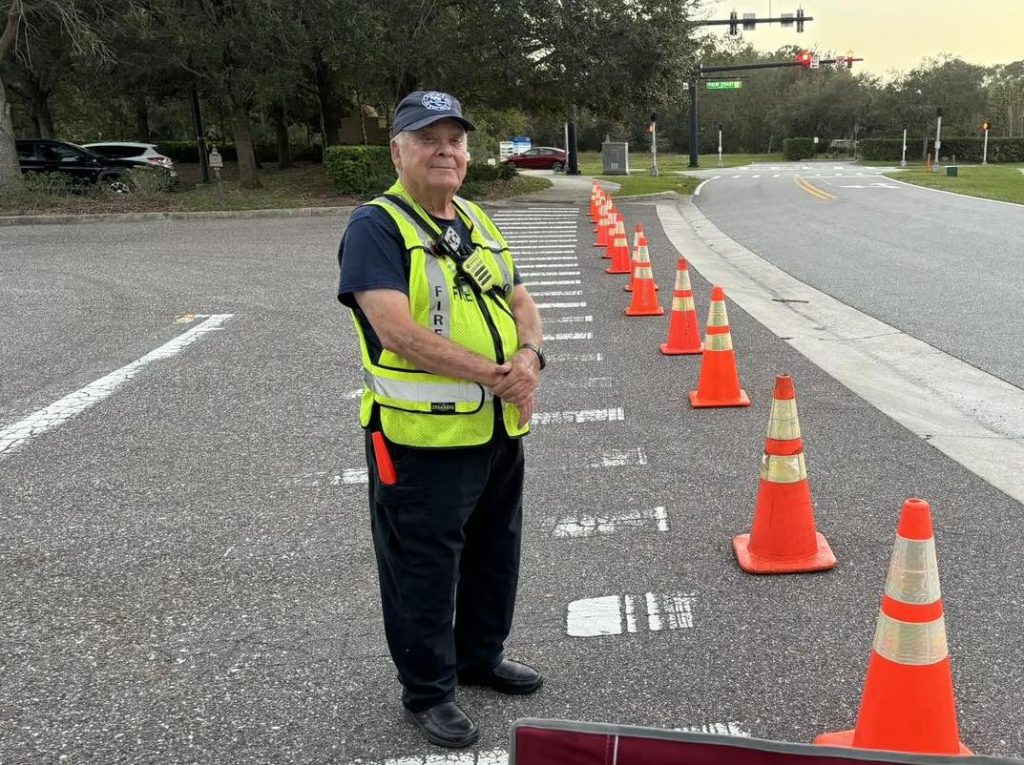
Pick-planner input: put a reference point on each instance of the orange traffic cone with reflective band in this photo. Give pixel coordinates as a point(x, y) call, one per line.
point(783, 539)
point(683, 332)
point(619, 251)
point(604, 225)
point(908, 704)
point(645, 301)
point(596, 200)
point(719, 382)
point(641, 257)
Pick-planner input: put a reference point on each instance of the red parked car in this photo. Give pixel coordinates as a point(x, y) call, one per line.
point(539, 158)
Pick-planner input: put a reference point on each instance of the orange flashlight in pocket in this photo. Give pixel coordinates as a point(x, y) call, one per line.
point(385, 467)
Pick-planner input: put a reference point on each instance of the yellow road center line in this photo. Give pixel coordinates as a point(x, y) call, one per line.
point(813, 190)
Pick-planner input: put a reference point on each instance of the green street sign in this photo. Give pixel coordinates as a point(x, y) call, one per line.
point(723, 85)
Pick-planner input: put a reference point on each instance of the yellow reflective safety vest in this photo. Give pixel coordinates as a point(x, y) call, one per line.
point(419, 408)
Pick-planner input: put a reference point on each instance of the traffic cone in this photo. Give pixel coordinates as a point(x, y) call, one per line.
point(619, 251)
point(719, 383)
point(783, 539)
point(595, 202)
point(638, 234)
point(604, 224)
point(641, 256)
point(614, 222)
point(683, 332)
point(645, 301)
point(907, 703)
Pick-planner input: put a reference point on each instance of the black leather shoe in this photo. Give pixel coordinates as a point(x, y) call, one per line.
point(508, 677)
point(445, 725)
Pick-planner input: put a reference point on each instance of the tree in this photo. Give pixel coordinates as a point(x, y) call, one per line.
point(75, 21)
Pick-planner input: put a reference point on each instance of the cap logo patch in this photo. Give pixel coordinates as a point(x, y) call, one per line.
point(437, 102)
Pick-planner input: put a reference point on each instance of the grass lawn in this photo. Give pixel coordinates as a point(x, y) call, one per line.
point(304, 185)
point(1004, 182)
point(634, 185)
point(640, 161)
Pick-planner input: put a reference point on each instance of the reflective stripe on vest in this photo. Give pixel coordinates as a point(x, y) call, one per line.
point(440, 300)
point(429, 393)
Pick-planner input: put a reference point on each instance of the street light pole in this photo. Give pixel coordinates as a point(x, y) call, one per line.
point(938, 138)
point(694, 140)
point(984, 152)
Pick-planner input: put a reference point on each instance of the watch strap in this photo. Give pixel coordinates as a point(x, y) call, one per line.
point(536, 349)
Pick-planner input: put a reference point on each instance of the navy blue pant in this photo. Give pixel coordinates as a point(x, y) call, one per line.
point(447, 539)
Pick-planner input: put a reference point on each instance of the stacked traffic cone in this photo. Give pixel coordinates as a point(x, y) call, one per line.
point(683, 332)
point(595, 203)
point(645, 300)
point(618, 251)
point(641, 256)
point(783, 539)
point(719, 382)
point(907, 704)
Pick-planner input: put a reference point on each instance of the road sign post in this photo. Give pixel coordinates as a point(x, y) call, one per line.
point(719, 145)
point(986, 126)
point(903, 160)
point(938, 138)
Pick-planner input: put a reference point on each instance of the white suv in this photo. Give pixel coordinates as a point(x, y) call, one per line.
point(141, 153)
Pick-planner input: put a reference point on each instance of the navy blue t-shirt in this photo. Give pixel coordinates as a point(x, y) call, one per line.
point(372, 255)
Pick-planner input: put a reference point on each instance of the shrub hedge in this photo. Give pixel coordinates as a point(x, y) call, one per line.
point(794, 149)
point(359, 169)
point(964, 149)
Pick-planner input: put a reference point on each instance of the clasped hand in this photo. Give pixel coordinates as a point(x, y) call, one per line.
point(517, 380)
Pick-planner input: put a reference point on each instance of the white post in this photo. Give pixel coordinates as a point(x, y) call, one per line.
point(654, 149)
point(984, 151)
point(938, 140)
point(903, 161)
point(719, 145)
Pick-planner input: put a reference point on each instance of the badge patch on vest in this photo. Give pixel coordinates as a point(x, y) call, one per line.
point(443, 407)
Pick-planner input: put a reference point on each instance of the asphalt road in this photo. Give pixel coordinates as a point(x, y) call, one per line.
point(944, 268)
point(187, 569)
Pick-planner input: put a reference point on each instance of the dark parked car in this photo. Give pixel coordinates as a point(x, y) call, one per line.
point(42, 155)
point(539, 158)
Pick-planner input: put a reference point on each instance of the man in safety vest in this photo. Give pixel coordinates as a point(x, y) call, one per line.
point(451, 353)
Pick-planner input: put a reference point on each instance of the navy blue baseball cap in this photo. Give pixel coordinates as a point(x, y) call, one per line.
point(425, 107)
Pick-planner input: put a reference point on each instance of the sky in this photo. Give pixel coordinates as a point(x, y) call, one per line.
point(890, 35)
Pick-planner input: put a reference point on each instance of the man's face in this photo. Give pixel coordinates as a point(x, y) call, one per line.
point(433, 158)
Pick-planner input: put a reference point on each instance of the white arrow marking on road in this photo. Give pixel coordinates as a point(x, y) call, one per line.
point(59, 412)
point(611, 614)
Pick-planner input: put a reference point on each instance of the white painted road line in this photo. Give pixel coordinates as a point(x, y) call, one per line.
point(559, 293)
point(545, 258)
point(56, 414)
point(612, 614)
point(569, 336)
point(579, 416)
point(576, 527)
point(722, 729)
point(561, 305)
point(571, 320)
point(554, 283)
point(575, 357)
point(545, 265)
point(524, 274)
point(486, 757)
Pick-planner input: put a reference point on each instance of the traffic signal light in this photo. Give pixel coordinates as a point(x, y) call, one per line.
point(804, 58)
point(799, 19)
point(986, 126)
point(734, 27)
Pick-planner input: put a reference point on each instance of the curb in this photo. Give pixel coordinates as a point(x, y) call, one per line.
point(296, 212)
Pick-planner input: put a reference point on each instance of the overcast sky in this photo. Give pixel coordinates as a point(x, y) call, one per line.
point(891, 35)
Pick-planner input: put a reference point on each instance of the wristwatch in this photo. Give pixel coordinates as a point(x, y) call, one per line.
point(538, 350)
